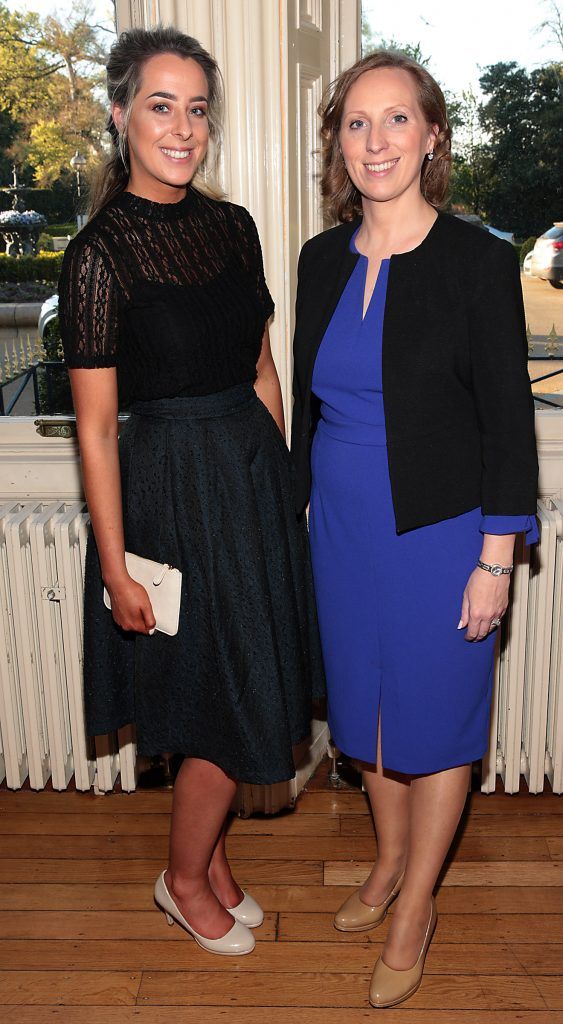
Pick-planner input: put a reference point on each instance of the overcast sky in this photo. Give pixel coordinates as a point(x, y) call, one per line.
point(458, 37)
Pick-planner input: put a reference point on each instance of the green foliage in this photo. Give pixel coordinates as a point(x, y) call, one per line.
point(44, 267)
point(54, 387)
point(22, 68)
point(523, 117)
point(45, 242)
point(372, 42)
point(48, 150)
point(507, 159)
point(8, 130)
point(61, 230)
point(50, 73)
point(52, 342)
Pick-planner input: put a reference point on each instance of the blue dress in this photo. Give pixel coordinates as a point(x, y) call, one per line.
point(389, 604)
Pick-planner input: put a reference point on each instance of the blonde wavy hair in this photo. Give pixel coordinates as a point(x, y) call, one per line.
point(342, 200)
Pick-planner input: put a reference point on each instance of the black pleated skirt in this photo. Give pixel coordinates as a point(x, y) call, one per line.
point(208, 487)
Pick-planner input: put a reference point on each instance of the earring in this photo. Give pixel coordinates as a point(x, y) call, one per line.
point(430, 155)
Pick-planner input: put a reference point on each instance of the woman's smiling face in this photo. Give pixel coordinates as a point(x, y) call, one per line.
point(384, 136)
point(168, 132)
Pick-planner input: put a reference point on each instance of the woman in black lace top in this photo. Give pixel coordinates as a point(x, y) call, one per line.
point(163, 309)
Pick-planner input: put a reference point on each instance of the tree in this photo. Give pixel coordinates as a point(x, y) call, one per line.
point(523, 119)
point(8, 130)
point(553, 23)
point(22, 69)
point(372, 42)
point(48, 151)
point(49, 80)
point(469, 158)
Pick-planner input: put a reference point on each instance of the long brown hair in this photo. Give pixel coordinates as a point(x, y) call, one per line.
point(342, 199)
point(124, 71)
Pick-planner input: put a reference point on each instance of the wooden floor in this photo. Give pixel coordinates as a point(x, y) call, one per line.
point(81, 943)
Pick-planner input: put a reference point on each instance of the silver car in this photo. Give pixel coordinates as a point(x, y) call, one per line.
point(547, 256)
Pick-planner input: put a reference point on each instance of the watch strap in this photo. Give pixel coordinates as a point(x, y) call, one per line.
point(495, 570)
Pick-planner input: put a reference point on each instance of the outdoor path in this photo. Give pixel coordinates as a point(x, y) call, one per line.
point(543, 305)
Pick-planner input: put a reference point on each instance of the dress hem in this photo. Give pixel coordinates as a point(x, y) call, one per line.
point(255, 780)
point(402, 770)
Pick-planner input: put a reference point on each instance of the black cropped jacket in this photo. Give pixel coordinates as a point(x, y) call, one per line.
point(459, 412)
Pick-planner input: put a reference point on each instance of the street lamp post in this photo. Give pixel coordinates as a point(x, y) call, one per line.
point(78, 163)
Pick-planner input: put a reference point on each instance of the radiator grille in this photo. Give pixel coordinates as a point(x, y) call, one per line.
point(42, 737)
point(526, 734)
point(42, 549)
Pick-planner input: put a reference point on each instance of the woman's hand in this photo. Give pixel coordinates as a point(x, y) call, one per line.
point(130, 606)
point(485, 598)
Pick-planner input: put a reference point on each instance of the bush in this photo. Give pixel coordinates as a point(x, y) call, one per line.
point(526, 247)
point(45, 242)
point(54, 386)
point(61, 230)
point(44, 267)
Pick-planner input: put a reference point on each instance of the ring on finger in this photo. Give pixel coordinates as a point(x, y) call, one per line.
point(495, 622)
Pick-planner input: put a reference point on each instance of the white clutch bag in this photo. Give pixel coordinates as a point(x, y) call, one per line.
point(163, 584)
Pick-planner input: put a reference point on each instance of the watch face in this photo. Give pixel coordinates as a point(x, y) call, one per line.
point(496, 570)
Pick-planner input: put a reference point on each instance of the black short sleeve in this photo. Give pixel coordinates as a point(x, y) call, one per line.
point(251, 253)
point(88, 307)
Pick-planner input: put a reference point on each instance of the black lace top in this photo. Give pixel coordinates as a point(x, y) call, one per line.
point(173, 295)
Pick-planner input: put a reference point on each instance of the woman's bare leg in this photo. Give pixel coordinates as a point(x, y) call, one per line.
point(220, 876)
point(388, 794)
point(202, 797)
point(436, 803)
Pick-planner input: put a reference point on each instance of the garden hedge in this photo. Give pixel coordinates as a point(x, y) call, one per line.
point(45, 267)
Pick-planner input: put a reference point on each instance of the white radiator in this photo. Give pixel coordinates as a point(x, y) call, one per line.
point(42, 736)
point(42, 548)
point(526, 734)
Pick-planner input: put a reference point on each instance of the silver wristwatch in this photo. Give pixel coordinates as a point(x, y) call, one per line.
point(496, 570)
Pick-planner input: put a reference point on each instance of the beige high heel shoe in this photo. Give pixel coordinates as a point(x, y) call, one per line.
point(389, 987)
point(237, 941)
point(356, 916)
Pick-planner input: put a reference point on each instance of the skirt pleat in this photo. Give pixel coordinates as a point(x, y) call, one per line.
point(208, 487)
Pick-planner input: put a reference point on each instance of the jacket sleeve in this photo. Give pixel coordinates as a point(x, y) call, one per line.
point(497, 525)
point(501, 385)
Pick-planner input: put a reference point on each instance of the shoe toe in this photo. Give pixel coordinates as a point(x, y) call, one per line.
point(248, 912)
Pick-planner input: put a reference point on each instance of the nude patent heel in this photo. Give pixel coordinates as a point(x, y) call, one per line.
point(390, 987)
point(356, 916)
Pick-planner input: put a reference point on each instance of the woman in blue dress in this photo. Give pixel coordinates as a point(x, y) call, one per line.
point(413, 404)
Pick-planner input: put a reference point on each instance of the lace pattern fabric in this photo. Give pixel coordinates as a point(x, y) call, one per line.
point(173, 295)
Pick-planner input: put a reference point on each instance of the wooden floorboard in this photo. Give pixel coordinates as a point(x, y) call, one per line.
point(256, 1015)
point(82, 943)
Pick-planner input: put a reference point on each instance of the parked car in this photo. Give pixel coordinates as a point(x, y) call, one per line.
point(49, 310)
point(527, 265)
point(547, 256)
point(471, 218)
point(507, 235)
